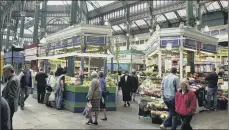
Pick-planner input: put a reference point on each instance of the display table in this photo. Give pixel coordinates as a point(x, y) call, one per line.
point(75, 98)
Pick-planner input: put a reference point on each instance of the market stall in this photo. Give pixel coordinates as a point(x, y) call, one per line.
point(186, 46)
point(79, 47)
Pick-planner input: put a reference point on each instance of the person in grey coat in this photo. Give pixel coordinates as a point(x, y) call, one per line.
point(5, 115)
point(94, 96)
point(11, 90)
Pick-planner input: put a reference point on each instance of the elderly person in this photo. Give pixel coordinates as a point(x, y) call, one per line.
point(11, 90)
point(104, 90)
point(5, 115)
point(94, 96)
point(186, 104)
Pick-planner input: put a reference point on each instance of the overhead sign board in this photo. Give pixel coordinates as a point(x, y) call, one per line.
point(174, 41)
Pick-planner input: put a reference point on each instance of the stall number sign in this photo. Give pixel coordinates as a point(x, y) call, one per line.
point(97, 40)
point(188, 43)
point(209, 48)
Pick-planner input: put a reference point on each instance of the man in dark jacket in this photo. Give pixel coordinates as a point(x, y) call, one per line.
point(11, 90)
point(212, 80)
point(41, 85)
point(5, 115)
point(26, 83)
point(126, 83)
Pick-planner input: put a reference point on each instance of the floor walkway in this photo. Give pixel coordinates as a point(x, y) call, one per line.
point(38, 116)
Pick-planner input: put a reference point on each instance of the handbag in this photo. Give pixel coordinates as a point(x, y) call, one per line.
point(48, 86)
point(87, 110)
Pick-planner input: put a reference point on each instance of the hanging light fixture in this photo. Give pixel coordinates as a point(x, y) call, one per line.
point(206, 28)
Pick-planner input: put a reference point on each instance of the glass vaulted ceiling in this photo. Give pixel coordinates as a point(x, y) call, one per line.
point(89, 6)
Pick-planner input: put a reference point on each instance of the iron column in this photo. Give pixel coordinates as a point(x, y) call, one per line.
point(43, 18)
point(22, 22)
point(35, 30)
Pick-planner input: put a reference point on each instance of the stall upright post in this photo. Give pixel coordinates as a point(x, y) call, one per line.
point(181, 57)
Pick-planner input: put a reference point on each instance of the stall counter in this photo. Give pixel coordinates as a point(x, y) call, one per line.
point(75, 98)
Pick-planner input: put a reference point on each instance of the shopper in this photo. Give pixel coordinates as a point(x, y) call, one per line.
point(41, 85)
point(11, 90)
point(5, 115)
point(60, 90)
point(186, 104)
point(126, 84)
point(59, 70)
point(51, 82)
point(170, 85)
point(104, 94)
point(212, 80)
point(94, 97)
point(135, 85)
point(25, 84)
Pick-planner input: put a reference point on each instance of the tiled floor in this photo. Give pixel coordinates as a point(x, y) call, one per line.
point(38, 116)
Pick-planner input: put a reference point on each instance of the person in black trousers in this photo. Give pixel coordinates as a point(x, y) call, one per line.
point(5, 115)
point(41, 85)
point(126, 83)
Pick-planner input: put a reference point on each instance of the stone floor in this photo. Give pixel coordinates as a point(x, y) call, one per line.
point(38, 116)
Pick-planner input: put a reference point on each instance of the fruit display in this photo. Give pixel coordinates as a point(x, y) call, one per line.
point(87, 81)
point(150, 91)
point(110, 81)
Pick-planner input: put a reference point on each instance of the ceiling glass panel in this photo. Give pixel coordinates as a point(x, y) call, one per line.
point(123, 26)
point(182, 12)
point(116, 28)
point(224, 3)
point(140, 22)
point(171, 15)
point(160, 18)
point(212, 6)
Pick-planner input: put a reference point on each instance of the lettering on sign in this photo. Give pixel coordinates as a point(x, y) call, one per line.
point(97, 40)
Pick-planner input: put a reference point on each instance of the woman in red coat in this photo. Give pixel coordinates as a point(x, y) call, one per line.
point(186, 104)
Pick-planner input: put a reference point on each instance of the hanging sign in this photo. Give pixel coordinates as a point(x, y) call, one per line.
point(95, 40)
point(189, 43)
point(174, 41)
point(209, 48)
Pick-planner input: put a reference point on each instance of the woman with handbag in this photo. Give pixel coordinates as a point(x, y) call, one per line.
point(94, 97)
point(185, 104)
point(105, 93)
point(49, 88)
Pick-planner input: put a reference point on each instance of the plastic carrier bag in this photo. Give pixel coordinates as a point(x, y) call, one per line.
point(87, 110)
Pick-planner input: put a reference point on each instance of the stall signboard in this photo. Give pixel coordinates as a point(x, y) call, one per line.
point(189, 43)
point(15, 54)
point(95, 40)
point(15, 60)
point(173, 40)
point(209, 48)
point(75, 41)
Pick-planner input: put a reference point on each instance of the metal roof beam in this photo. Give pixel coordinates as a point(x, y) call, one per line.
point(177, 5)
point(178, 16)
point(109, 8)
point(167, 20)
point(137, 26)
point(122, 29)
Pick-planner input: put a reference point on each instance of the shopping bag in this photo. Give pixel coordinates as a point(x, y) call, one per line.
point(87, 110)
